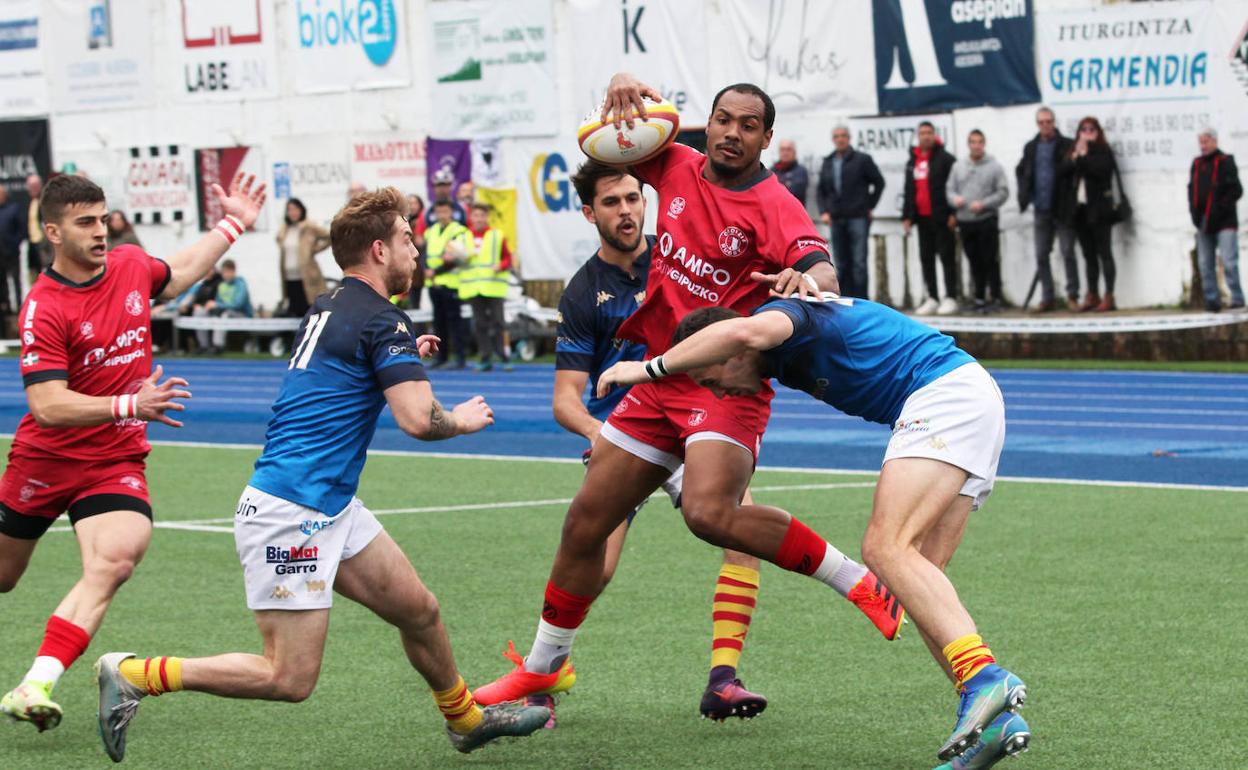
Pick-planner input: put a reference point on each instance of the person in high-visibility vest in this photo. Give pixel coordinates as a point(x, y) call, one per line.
point(447, 245)
point(483, 284)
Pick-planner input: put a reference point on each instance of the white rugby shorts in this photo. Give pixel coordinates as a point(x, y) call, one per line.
point(290, 553)
point(958, 418)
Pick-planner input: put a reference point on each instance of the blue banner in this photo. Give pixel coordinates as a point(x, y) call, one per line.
point(945, 54)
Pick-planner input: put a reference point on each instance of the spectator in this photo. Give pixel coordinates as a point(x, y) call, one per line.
point(790, 173)
point(927, 172)
point(976, 190)
point(850, 186)
point(12, 233)
point(1040, 185)
point(356, 188)
point(443, 179)
point(38, 250)
point(483, 284)
point(231, 300)
point(416, 218)
point(120, 231)
point(448, 244)
point(1212, 192)
point(1088, 168)
point(298, 243)
point(466, 195)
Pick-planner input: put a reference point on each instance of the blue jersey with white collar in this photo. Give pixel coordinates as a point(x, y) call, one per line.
point(352, 345)
point(861, 357)
point(595, 302)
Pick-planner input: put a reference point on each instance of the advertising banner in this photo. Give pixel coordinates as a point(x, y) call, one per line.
point(156, 185)
point(386, 159)
point(806, 54)
point(946, 54)
point(23, 90)
point(223, 49)
point(661, 42)
point(493, 64)
point(488, 164)
point(100, 53)
point(316, 169)
point(219, 165)
point(338, 46)
point(888, 141)
point(24, 150)
point(555, 236)
point(1142, 70)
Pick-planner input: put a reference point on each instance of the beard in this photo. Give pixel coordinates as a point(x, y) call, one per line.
point(398, 279)
point(616, 242)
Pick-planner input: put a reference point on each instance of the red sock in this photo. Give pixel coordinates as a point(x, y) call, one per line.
point(801, 550)
point(564, 609)
point(64, 641)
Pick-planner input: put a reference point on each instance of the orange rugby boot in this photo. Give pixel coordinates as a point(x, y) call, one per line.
point(879, 605)
point(518, 683)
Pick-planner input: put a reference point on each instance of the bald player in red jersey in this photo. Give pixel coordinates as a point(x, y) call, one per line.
point(728, 232)
point(86, 364)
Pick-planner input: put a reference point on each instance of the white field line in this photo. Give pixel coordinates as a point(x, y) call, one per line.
point(225, 524)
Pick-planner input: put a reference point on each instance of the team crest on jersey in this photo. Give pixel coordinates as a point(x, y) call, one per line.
point(87, 329)
point(134, 303)
point(28, 337)
point(27, 492)
point(696, 417)
point(733, 241)
point(133, 482)
point(675, 208)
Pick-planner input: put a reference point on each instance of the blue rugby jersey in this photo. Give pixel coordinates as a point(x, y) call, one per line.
point(595, 302)
point(861, 357)
point(352, 345)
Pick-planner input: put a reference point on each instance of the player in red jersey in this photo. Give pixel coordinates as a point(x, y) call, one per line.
point(86, 364)
point(727, 233)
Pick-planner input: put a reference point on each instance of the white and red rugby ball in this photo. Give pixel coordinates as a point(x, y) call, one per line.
point(625, 146)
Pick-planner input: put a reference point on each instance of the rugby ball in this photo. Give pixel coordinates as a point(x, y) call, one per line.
point(625, 146)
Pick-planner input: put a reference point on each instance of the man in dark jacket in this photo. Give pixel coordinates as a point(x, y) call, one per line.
point(1040, 185)
point(12, 233)
point(790, 173)
point(924, 204)
point(1212, 190)
point(850, 185)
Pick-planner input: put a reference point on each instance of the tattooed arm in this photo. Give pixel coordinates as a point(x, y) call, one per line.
point(419, 414)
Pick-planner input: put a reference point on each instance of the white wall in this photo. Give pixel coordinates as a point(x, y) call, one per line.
point(1153, 264)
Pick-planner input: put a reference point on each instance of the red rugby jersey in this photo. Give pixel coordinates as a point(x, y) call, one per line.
point(97, 337)
point(710, 240)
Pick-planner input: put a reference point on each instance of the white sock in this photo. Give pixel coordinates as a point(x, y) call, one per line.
point(839, 571)
point(550, 649)
point(45, 669)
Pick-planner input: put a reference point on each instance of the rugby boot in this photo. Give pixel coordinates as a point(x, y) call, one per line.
point(119, 702)
point(500, 720)
point(720, 702)
point(32, 702)
point(546, 701)
point(879, 605)
point(984, 697)
point(1007, 736)
point(518, 683)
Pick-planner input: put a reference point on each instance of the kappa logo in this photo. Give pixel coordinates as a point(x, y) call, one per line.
point(937, 443)
point(315, 586)
point(604, 297)
point(558, 317)
point(281, 592)
point(696, 417)
point(640, 297)
point(134, 303)
point(400, 328)
point(87, 329)
point(733, 241)
point(676, 207)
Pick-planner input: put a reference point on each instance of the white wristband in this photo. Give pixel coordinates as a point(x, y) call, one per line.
point(230, 228)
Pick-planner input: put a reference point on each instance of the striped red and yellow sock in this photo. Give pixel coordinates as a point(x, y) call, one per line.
point(736, 593)
point(156, 675)
point(968, 656)
point(458, 707)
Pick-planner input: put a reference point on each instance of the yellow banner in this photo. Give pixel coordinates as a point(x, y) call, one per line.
point(502, 203)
